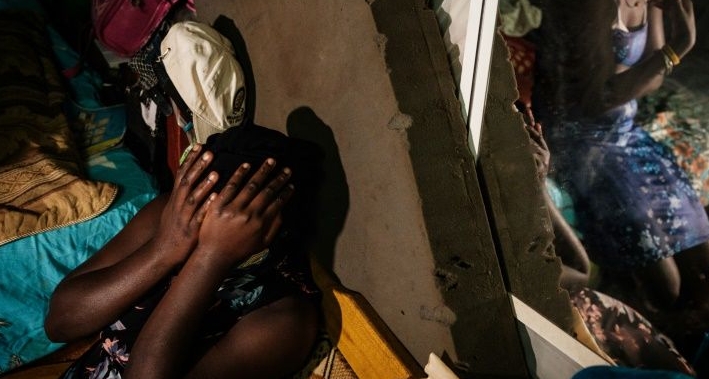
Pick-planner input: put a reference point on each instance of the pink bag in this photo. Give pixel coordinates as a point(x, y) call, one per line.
point(124, 26)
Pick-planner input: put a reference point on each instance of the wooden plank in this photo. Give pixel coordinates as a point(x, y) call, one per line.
point(368, 345)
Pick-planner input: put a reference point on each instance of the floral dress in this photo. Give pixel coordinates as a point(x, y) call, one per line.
point(633, 203)
point(255, 283)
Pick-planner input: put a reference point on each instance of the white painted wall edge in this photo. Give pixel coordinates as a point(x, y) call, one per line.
point(478, 67)
point(551, 352)
point(471, 33)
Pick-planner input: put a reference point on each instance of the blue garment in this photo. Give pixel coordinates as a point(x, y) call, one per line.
point(634, 204)
point(629, 45)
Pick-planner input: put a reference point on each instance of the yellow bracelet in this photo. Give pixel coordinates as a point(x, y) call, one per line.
point(668, 63)
point(671, 54)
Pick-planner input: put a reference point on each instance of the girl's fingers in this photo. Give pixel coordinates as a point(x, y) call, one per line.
point(253, 186)
point(538, 127)
point(255, 195)
point(272, 230)
point(529, 116)
point(231, 189)
point(202, 211)
point(533, 131)
point(275, 207)
point(196, 169)
point(273, 212)
point(266, 196)
point(198, 194)
point(189, 160)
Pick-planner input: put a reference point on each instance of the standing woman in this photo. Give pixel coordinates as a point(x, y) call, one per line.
point(637, 212)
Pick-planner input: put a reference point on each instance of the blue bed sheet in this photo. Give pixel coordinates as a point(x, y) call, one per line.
point(30, 268)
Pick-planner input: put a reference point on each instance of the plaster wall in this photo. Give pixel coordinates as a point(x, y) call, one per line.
point(402, 219)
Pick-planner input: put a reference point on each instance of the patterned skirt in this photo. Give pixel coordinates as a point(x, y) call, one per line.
point(634, 205)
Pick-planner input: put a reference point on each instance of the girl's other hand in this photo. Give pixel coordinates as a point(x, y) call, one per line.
point(540, 150)
point(243, 220)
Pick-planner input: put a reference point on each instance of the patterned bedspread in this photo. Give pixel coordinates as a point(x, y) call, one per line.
point(42, 183)
point(679, 118)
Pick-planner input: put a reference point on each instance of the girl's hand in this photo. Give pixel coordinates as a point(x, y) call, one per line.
point(540, 150)
point(183, 214)
point(243, 221)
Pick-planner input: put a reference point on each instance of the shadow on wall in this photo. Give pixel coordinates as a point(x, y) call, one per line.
point(303, 123)
point(334, 197)
point(353, 325)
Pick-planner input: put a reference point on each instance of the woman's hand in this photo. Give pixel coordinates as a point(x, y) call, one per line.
point(242, 221)
point(183, 214)
point(683, 32)
point(540, 150)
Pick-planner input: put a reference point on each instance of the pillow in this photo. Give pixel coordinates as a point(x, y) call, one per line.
point(42, 183)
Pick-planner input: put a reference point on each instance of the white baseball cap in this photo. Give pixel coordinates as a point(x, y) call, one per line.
point(201, 65)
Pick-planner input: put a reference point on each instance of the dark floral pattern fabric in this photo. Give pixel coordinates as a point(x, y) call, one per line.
point(633, 203)
point(627, 337)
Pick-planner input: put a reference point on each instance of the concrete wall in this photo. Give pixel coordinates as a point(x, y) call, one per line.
point(403, 221)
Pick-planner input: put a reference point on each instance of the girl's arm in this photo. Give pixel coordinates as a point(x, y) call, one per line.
point(237, 224)
point(656, 30)
point(152, 245)
point(575, 264)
